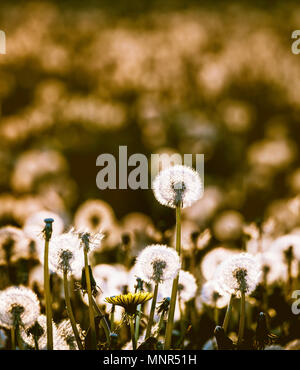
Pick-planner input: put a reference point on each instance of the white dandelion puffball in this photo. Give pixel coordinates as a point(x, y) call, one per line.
point(212, 260)
point(211, 296)
point(111, 280)
point(157, 263)
point(14, 244)
point(272, 267)
point(282, 244)
point(66, 254)
point(187, 286)
point(41, 327)
point(65, 331)
point(240, 273)
point(178, 186)
point(18, 303)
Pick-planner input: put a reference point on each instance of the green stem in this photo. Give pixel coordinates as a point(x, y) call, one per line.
point(89, 291)
point(103, 320)
point(137, 321)
point(19, 339)
point(152, 311)
point(131, 321)
point(70, 312)
point(13, 338)
point(169, 329)
point(36, 343)
point(216, 315)
point(228, 314)
point(48, 298)
point(160, 324)
point(242, 319)
point(112, 317)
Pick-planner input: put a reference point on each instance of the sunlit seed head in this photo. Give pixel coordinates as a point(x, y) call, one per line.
point(14, 244)
point(18, 305)
point(187, 286)
point(178, 186)
point(65, 254)
point(211, 296)
point(273, 267)
point(238, 274)
point(283, 243)
point(39, 329)
point(212, 260)
point(66, 332)
point(157, 263)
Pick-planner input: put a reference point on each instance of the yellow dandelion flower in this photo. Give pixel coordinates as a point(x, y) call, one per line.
point(129, 301)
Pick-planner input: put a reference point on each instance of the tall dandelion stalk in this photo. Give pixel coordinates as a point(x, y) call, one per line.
point(48, 298)
point(139, 288)
point(70, 311)
point(85, 239)
point(227, 314)
point(153, 303)
point(169, 328)
point(176, 187)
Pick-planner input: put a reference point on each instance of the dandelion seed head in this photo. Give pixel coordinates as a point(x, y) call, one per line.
point(14, 244)
point(178, 186)
point(157, 263)
point(18, 305)
point(94, 216)
point(272, 267)
point(65, 331)
point(211, 296)
point(40, 328)
point(283, 243)
point(66, 255)
point(212, 260)
point(239, 273)
point(187, 286)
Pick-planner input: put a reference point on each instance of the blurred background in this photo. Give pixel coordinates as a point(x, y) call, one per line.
point(81, 78)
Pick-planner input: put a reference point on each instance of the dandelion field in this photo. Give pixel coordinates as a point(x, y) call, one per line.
point(192, 262)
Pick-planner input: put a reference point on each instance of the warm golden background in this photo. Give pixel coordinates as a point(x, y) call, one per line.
point(81, 78)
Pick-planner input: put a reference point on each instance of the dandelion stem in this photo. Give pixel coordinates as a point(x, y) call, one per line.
point(103, 320)
point(18, 337)
point(112, 317)
point(138, 288)
point(131, 321)
point(242, 318)
point(13, 338)
point(90, 297)
point(169, 329)
point(48, 298)
point(150, 321)
point(70, 311)
point(160, 324)
point(228, 313)
point(216, 315)
point(36, 342)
